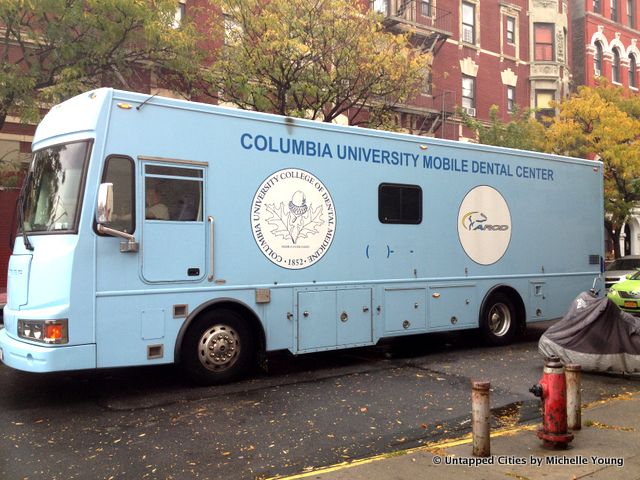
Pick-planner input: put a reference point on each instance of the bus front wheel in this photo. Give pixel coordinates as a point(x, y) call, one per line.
point(498, 322)
point(218, 348)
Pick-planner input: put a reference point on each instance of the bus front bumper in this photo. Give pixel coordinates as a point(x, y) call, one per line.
point(40, 359)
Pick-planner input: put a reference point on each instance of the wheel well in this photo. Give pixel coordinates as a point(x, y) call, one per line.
point(514, 296)
point(255, 326)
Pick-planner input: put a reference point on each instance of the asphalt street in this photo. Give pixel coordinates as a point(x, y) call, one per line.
point(305, 412)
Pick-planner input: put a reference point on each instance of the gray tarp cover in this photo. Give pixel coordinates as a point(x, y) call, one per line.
point(597, 335)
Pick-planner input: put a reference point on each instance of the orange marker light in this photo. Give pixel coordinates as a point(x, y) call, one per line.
point(53, 331)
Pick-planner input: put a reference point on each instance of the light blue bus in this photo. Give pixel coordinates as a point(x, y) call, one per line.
point(154, 230)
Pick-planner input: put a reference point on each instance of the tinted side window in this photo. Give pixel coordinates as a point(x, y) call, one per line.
point(173, 193)
point(399, 203)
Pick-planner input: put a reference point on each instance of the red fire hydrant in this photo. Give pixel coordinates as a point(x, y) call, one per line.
point(552, 390)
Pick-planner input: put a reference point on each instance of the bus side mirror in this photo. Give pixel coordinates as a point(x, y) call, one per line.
point(104, 210)
point(104, 214)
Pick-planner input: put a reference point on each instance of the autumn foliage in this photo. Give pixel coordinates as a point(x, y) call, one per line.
point(314, 59)
point(603, 123)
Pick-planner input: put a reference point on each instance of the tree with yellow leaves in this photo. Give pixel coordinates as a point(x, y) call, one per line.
point(602, 123)
point(314, 59)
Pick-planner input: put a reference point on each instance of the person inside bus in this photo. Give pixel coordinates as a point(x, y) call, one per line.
point(155, 209)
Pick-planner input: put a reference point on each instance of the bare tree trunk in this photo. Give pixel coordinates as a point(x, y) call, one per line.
point(3, 116)
point(614, 234)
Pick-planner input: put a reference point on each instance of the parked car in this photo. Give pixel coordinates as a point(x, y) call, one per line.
point(626, 294)
point(618, 270)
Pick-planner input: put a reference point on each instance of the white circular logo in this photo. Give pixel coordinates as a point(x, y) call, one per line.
point(484, 225)
point(293, 219)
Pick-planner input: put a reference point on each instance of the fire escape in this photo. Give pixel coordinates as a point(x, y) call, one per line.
point(429, 27)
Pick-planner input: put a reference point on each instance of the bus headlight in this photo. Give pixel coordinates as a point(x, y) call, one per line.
point(54, 332)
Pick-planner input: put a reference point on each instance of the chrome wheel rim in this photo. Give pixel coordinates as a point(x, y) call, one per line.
point(499, 319)
point(219, 348)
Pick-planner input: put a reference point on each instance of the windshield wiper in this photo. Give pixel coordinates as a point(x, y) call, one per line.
point(21, 205)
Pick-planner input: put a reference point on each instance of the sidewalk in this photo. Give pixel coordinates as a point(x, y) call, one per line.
point(607, 447)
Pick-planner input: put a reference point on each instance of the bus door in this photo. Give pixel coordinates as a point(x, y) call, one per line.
point(173, 242)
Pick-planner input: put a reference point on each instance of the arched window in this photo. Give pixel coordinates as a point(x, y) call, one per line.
point(615, 67)
point(597, 61)
point(633, 78)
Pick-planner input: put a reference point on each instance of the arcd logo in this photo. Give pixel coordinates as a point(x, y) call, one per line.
point(484, 225)
point(477, 221)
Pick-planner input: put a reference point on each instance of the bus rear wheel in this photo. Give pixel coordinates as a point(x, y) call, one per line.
point(498, 321)
point(218, 348)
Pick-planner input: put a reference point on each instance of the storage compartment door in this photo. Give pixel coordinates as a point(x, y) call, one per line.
point(452, 306)
point(316, 320)
point(405, 310)
point(538, 302)
point(354, 316)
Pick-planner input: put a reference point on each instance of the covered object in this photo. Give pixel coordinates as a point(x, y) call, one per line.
point(597, 335)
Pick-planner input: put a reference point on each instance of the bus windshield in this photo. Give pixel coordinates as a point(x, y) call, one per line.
point(52, 190)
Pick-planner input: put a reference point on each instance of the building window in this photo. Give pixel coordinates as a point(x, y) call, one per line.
point(232, 31)
point(469, 95)
point(179, 15)
point(597, 60)
point(511, 30)
point(633, 79)
point(614, 10)
point(597, 8)
point(615, 67)
point(426, 8)
point(511, 99)
point(380, 6)
point(427, 86)
point(468, 22)
point(631, 13)
point(543, 42)
point(544, 106)
point(399, 203)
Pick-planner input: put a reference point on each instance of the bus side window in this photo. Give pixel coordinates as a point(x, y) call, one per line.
point(119, 170)
point(401, 204)
point(173, 193)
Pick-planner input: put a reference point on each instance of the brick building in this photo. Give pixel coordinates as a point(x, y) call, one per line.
point(15, 152)
point(605, 42)
point(503, 53)
point(605, 37)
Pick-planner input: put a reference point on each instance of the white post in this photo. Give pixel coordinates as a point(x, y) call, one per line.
point(572, 374)
point(481, 417)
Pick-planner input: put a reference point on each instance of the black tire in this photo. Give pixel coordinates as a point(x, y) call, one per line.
point(498, 321)
point(218, 348)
